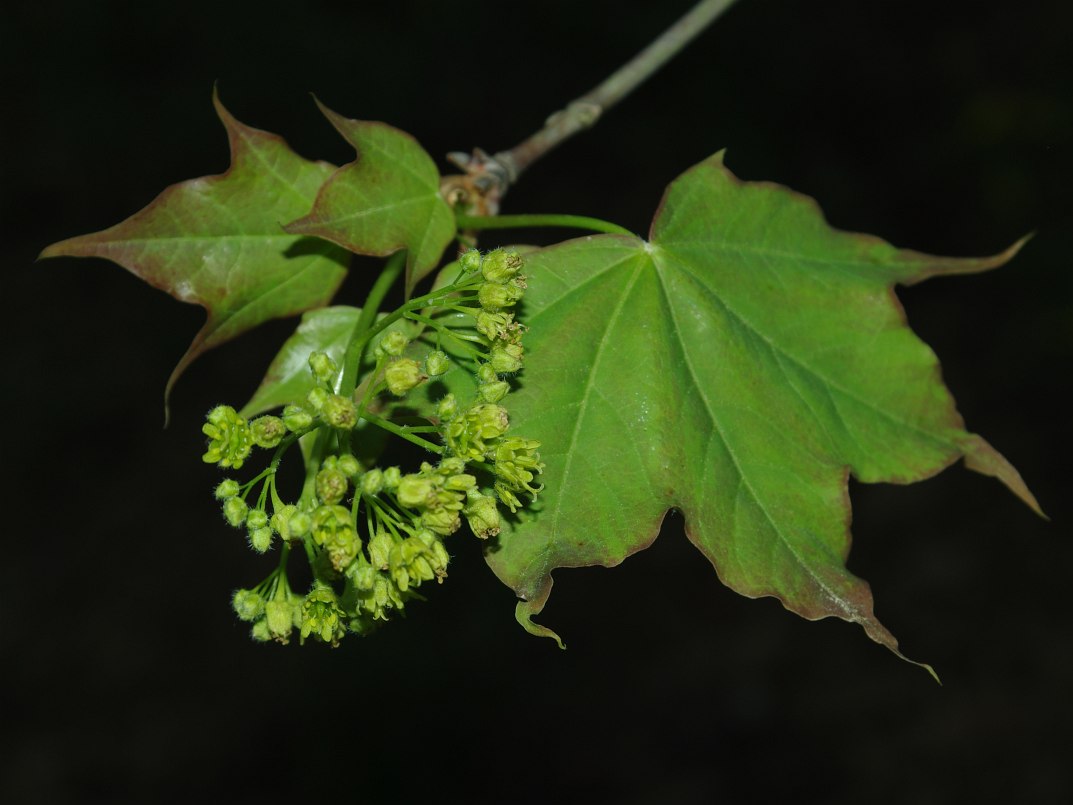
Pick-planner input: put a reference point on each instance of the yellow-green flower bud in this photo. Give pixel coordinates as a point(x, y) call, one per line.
point(339, 412)
point(267, 431)
point(500, 266)
point(331, 486)
point(348, 465)
point(437, 363)
point(460, 483)
point(372, 482)
point(281, 521)
point(451, 465)
point(230, 440)
point(317, 398)
point(261, 539)
point(414, 491)
point(392, 477)
point(380, 547)
point(299, 524)
point(470, 261)
point(482, 514)
point(235, 510)
point(322, 367)
point(279, 617)
point(393, 343)
point(248, 605)
point(361, 574)
point(297, 419)
point(256, 518)
point(260, 632)
point(447, 408)
point(506, 358)
point(493, 392)
point(227, 488)
point(441, 521)
point(493, 297)
point(402, 375)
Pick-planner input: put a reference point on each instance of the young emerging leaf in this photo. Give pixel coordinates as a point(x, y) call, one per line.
point(385, 200)
point(737, 367)
point(218, 241)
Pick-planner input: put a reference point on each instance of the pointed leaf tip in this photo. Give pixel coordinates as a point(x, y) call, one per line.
point(216, 241)
point(387, 199)
point(524, 612)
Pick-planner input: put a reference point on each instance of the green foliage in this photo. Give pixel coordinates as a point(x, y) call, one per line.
point(217, 241)
point(738, 366)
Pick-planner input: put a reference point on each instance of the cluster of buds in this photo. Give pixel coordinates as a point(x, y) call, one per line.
point(373, 536)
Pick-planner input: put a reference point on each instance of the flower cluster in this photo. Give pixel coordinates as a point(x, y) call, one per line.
point(374, 535)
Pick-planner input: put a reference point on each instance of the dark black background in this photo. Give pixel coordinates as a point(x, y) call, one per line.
point(946, 127)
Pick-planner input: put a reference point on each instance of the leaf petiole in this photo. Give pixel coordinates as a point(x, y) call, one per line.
point(540, 220)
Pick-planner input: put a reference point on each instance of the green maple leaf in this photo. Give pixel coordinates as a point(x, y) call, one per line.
point(218, 241)
point(387, 199)
point(737, 367)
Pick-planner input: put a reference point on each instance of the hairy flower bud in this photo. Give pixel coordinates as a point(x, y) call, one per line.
point(470, 261)
point(493, 297)
point(299, 525)
point(227, 488)
point(339, 412)
point(279, 617)
point(402, 375)
point(297, 419)
point(372, 482)
point(501, 266)
point(260, 632)
point(380, 547)
point(268, 431)
point(393, 343)
point(281, 521)
point(248, 605)
point(506, 358)
point(437, 363)
point(447, 408)
point(482, 514)
point(331, 485)
point(317, 398)
point(493, 392)
point(256, 518)
point(322, 366)
point(235, 510)
point(261, 539)
point(392, 478)
point(348, 465)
